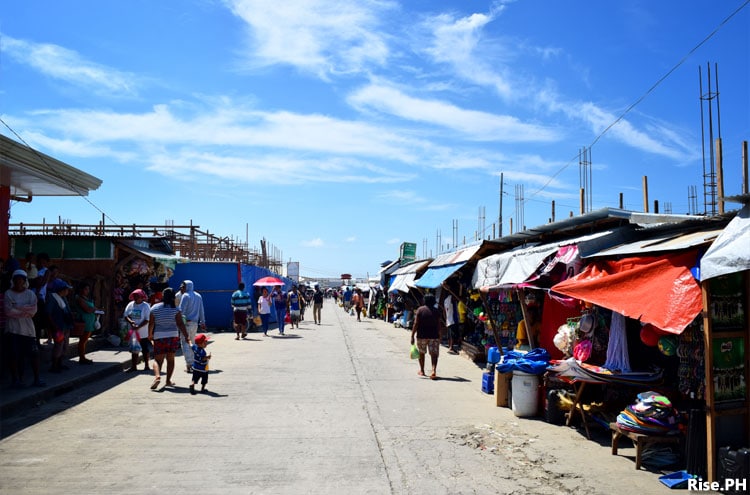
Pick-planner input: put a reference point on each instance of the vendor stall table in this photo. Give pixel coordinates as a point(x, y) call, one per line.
point(640, 441)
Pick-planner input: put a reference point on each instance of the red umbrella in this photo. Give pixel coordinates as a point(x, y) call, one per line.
point(266, 281)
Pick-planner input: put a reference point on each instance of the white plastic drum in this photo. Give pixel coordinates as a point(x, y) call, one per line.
point(524, 395)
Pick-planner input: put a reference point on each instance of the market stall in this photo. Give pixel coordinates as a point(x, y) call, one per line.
point(725, 278)
point(645, 298)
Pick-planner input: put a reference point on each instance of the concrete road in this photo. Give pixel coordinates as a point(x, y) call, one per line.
point(331, 408)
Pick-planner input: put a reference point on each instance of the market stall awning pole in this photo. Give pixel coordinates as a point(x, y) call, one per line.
point(495, 333)
point(529, 333)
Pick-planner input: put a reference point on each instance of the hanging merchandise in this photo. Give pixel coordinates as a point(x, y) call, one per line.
point(691, 370)
point(582, 350)
point(649, 336)
point(565, 338)
point(505, 312)
point(667, 345)
point(617, 351)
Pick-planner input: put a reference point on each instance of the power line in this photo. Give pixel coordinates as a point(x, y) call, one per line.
point(648, 92)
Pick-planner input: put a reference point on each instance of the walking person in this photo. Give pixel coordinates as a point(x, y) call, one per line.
point(264, 309)
point(165, 325)
point(191, 307)
point(426, 329)
point(60, 320)
point(200, 363)
point(279, 305)
point(358, 302)
point(317, 304)
point(86, 310)
point(137, 314)
point(347, 299)
point(240, 305)
point(20, 306)
point(451, 324)
point(294, 299)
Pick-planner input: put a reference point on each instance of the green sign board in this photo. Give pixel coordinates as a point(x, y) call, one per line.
point(408, 253)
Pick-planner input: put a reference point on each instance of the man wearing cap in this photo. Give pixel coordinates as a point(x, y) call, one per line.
point(20, 306)
point(191, 307)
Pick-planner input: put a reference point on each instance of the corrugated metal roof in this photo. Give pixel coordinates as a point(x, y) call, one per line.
point(671, 241)
point(30, 172)
point(412, 267)
point(603, 216)
point(460, 256)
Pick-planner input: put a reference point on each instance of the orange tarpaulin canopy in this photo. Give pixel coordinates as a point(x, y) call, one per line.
point(659, 290)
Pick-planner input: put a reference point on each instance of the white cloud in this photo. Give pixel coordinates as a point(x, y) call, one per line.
point(625, 132)
point(226, 126)
point(403, 197)
point(456, 42)
point(475, 125)
point(66, 65)
point(351, 239)
point(393, 240)
point(314, 243)
point(321, 36)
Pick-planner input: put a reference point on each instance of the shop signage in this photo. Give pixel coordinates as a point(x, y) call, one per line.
point(408, 253)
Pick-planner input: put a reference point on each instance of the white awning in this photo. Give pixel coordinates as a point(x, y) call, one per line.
point(730, 252)
point(28, 172)
point(510, 267)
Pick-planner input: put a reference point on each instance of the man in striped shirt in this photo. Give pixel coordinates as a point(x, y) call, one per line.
point(240, 306)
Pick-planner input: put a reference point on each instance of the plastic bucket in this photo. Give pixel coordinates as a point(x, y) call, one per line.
point(493, 355)
point(525, 396)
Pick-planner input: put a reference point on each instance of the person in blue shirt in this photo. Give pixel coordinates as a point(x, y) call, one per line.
point(347, 299)
point(240, 307)
point(200, 363)
point(278, 297)
point(294, 298)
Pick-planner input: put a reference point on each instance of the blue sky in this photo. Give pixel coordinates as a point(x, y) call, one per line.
point(338, 130)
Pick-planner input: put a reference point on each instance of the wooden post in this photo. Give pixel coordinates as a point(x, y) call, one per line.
point(5, 223)
point(708, 354)
point(524, 311)
point(581, 201)
point(493, 326)
point(744, 168)
point(645, 194)
point(720, 176)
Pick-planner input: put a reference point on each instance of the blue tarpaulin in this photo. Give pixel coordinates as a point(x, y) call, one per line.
point(434, 276)
point(533, 362)
point(216, 281)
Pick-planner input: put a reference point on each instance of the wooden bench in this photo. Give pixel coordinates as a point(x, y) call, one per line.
point(640, 441)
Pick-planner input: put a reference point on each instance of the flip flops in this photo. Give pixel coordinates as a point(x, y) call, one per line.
point(155, 383)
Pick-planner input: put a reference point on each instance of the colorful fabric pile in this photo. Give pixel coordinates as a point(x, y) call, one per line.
point(651, 414)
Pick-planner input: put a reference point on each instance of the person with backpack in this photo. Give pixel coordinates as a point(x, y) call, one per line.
point(317, 304)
